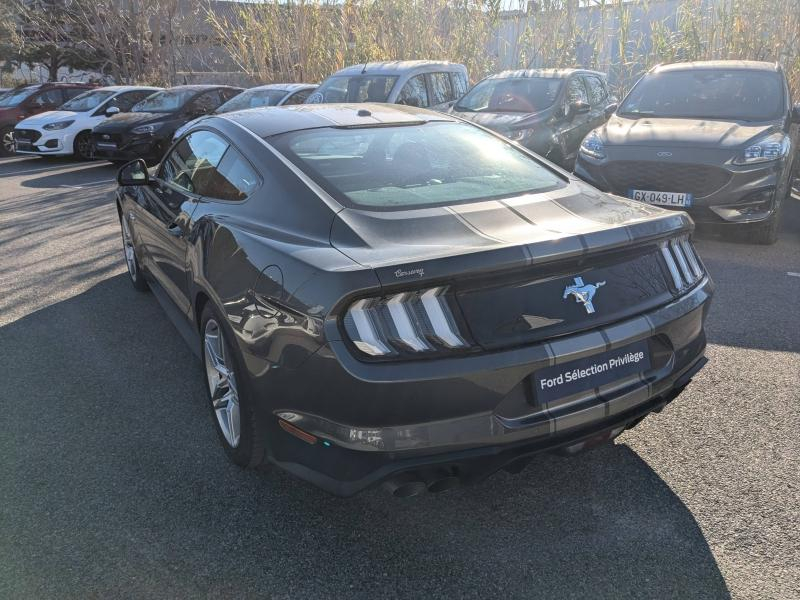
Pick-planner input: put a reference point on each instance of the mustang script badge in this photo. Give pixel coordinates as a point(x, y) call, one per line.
point(583, 293)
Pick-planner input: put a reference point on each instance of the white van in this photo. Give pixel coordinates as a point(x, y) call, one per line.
point(422, 83)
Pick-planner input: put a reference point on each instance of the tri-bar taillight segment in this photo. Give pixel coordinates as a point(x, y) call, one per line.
point(682, 261)
point(413, 322)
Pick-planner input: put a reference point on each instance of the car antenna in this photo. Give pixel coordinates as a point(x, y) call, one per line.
point(364, 70)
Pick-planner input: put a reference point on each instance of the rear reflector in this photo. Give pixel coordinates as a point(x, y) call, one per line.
point(297, 432)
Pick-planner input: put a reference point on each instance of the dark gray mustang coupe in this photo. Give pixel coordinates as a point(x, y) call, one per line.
point(385, 294)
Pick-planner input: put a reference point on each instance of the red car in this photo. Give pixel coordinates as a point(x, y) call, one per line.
point(27, 100)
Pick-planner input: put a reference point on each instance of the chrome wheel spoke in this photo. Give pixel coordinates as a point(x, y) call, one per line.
point(221, 384)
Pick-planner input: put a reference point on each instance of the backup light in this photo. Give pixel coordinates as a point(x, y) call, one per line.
point(408, 322)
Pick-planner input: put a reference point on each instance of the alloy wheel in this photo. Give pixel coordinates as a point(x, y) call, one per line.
point(130, 252)
point(84, 147)
point(8, 142)
point(221, 383)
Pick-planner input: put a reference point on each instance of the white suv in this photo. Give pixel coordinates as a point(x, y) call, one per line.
point(65, 131)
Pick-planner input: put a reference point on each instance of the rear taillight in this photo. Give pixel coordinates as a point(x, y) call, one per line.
point(682, 261)
point(409, 322)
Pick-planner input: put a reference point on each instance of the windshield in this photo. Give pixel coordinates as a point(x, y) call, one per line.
point(430, 164)
point(164, 102)
point(253, 99)
point(87, 100)
point(732, 95)
point(359, 88)
point(14, 97)
point(518, 94)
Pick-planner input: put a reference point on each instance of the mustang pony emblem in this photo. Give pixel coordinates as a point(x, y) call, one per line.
point(583, 293)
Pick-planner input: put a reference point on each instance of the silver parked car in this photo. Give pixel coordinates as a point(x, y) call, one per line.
point(421, 83)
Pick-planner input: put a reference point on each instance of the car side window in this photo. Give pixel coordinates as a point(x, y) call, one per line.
point(234, 179)
point(414, 92)
point(51, 97)
point(575, 91)
point(228, 94)
point(206, 102)
point(596, 91)
point(298, 97)
point(70, 93)
point(441, 88)
point(459, 84)
point(124, 102)
point(189, 164)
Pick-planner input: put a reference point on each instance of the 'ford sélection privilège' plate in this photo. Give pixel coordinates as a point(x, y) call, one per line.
point(381, 294)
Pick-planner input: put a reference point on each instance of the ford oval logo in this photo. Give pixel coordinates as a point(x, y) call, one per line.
point(664, 154)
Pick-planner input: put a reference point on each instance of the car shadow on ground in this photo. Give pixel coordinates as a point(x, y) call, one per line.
point(80, 174)
point(114, 485)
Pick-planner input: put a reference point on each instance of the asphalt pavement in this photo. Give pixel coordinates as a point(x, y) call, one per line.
point(112, 482)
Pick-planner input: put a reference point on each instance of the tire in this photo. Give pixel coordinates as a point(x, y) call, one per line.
point(766, 233)
point(82, 146)
point(131, 261)
point(7, 142)
point(228, 397)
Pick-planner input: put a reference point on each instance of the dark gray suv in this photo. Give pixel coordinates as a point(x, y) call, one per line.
point(548, 111)
point(712, 138)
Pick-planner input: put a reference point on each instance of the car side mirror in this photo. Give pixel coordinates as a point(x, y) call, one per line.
point(611, 109)
point(796, 113)
point(134, 173)
point(112, 110)
point(578, 107)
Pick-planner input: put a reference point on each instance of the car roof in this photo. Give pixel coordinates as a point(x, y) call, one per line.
point(287, 87)
point(269, 121)
point(554, 73)
point(202, 87)
point(395, 67)
point(748, 65)
point(130, 88)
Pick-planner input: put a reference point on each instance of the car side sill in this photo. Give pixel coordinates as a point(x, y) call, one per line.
point(189, 335)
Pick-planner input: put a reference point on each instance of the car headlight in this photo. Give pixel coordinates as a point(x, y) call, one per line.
point(151, 128)
point(593, 146)
point(58, 125)
point(771, 147)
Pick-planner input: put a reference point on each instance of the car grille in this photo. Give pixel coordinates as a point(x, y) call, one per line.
point(698, 180)
point(107, 138)
point(28, 134)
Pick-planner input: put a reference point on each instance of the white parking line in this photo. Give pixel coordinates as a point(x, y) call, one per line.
point(793, 274)
point(50, 168)
point(88, 184)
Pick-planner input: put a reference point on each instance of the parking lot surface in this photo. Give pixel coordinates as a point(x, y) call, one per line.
point(113, 484)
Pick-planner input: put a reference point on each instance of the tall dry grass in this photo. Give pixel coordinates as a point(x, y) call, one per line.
point(306, 40)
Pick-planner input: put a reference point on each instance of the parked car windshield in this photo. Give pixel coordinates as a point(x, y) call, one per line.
point(736, 95)
point(517, 94)
point(430, 164)
point(165, 101)
point(14, 97)
point(87, 100)
point(252, 99)
point(358, 88)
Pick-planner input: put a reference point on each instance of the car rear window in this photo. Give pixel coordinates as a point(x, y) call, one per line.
point(431, 164)
point(733, 94)
point(515, 94)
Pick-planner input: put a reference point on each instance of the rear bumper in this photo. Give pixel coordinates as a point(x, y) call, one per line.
point(471, 415)
point(749, 195)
